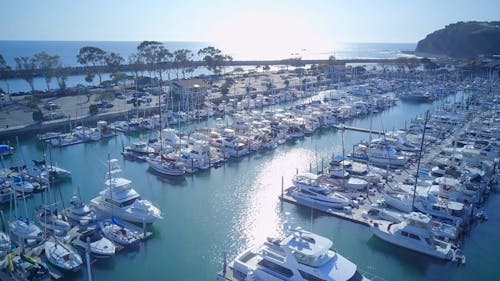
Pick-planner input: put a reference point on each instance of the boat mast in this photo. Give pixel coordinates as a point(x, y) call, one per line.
point(109, 184)
point(419, 158)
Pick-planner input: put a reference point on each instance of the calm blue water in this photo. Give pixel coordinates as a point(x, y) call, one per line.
point(67, 50)
point(236, 206)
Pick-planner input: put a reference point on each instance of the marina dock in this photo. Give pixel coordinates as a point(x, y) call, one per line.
point(358, 129)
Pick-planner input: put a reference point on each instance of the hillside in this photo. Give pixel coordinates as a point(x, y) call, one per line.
point(463, 40)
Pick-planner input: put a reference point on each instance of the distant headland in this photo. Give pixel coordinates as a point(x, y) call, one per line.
point(463, 40)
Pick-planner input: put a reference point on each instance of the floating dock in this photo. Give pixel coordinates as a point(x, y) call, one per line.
point(344, 127)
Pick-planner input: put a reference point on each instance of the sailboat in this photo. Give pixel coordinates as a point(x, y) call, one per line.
point(162, 164)
point(22, 229)
point(52, 221)
point(62, 255)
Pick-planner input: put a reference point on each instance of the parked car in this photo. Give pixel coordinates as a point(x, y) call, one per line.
point(50, 105)
point(53, 116)
point(132, 100)
point(120, 96)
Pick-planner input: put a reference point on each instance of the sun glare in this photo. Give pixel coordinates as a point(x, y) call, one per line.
point(265, 36)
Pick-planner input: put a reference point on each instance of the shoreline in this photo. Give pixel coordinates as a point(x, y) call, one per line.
point(82, 70)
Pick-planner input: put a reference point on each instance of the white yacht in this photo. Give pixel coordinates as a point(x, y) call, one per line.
point(400, 200)
point(385, 155)
point(415, 233)
point(140, 148)
point(119, 199)
point(318, 196)
point(442, 209)
point(379, 154)
point(306, 180)
point(79, 212)
point(41, 172)
point(300, 256)
point(168, 167)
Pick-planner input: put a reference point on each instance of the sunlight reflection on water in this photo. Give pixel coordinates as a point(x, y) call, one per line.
point(262, 215)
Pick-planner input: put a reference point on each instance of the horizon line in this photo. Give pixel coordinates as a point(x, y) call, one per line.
point(186, 41)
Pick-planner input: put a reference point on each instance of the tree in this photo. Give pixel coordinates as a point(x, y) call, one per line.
point(113, 61)
point(92, 56)
point(61, 78)
point(37, 116)
point(137, 65)
point(183, 62)
point(5, 74)
point(224, 90)
point(89, 78)
point(214, 59)
point(26, 68)
point(118, 77)
point(93, 110)
point(155, 56)
point(47, 64)
point(238, 71)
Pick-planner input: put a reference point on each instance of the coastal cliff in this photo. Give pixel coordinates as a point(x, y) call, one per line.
point(463, 40)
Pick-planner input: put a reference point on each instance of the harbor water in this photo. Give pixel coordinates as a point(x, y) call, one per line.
point(236, 206)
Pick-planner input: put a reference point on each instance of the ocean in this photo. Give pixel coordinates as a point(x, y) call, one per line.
point(67, 51)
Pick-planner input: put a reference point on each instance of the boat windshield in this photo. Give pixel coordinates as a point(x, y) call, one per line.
point(314, 261)
point(124, 203)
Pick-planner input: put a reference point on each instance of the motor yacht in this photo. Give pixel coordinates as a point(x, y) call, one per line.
point(415, 233)
point(79, 212)
point(318, 196)
point(120, 199)
point(301, 255)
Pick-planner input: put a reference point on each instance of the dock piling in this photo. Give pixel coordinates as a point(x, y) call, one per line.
point(87, 258)
point(282, 183)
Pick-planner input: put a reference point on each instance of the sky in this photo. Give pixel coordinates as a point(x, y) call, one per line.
point(241, 24)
